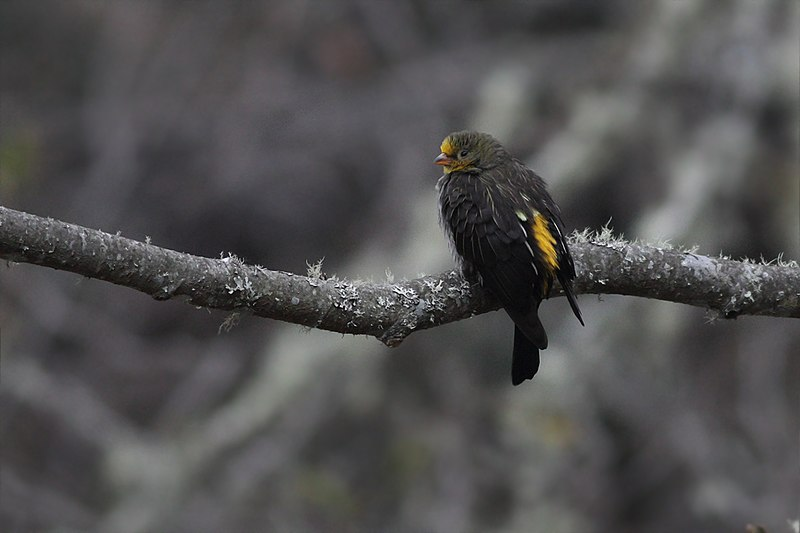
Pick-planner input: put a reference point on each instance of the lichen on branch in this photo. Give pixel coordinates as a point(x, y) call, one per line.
point(392, 311)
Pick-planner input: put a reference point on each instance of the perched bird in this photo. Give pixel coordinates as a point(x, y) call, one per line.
point(508, 235)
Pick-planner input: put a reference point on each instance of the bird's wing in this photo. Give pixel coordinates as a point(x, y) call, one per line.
point(545, 233)
point(489, 237)
point(565, 271)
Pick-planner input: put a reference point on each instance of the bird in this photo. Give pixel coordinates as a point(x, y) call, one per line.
point(507, 235)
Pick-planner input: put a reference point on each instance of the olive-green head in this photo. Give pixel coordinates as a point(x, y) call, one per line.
point(470, 151)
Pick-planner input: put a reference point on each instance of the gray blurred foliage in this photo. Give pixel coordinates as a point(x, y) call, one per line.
point(288, 131)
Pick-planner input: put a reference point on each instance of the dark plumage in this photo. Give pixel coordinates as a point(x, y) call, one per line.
point(508, 234)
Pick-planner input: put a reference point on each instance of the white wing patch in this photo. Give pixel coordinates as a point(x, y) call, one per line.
point(528, 246)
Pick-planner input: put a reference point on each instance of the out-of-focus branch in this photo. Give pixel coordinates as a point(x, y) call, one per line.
point(391, 311)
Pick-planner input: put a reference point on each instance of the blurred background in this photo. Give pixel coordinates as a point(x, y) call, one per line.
point(290, 131)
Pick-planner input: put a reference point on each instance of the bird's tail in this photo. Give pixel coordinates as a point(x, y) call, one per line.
point(525, 361)
point(529, 338)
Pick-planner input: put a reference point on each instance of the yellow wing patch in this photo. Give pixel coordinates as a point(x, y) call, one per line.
point(545, 240)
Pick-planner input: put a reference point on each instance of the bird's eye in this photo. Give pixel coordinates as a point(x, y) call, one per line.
point(463, 153)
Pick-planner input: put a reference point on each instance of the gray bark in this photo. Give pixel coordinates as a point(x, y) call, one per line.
point(392, 311)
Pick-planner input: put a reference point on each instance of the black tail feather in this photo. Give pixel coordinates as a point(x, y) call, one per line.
point(525, 360)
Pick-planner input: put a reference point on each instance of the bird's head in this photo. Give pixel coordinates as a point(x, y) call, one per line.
point(470, 151)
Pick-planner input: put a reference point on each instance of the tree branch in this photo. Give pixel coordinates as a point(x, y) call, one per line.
point(391, 311)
